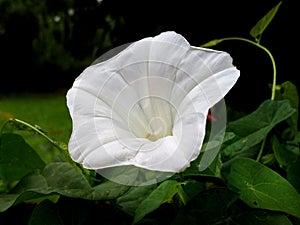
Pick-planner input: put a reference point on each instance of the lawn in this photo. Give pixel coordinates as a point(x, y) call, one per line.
point(48, 111)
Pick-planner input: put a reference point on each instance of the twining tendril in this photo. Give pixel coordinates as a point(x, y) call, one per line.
point(257, 44)
point(217, 41)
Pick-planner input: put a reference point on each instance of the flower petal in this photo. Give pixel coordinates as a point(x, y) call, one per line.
point(147, 105)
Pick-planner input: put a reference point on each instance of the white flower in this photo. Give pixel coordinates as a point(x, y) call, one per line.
point(147, 106)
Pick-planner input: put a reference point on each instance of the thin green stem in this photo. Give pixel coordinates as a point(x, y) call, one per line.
point(35, 129)
point(274, 77)
point(261, 150)
point(263, 48)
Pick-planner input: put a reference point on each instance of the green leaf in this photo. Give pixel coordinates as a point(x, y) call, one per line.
point(211, 43)
point(30, 182)
point(63, 179)
point(17, 158)
point(261, 187)
point(64, 176)
point(263, 23)
point(162, 194)
point(9, 200)
point(129, 201)
point(253, 128)
point(284, 155)
point(288, 90)
point(107, 190)
point(268, 159)
point(293, 174)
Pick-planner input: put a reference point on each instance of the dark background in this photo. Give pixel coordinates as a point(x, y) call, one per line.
point(45, 44)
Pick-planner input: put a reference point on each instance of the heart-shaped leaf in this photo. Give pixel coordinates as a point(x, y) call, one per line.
point(261, 187)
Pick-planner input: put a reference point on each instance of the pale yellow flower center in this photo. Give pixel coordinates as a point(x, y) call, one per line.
point(158, 128)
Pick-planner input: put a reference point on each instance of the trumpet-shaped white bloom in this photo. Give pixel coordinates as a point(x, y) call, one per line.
point(147, 106)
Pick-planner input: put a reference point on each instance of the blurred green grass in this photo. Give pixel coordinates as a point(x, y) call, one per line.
point(48, 111)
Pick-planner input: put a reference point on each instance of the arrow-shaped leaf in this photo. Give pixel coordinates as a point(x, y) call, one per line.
point(253, 128)
point(263, 23)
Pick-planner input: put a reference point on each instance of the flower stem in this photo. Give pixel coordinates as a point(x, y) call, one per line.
point(261, 149)
point(35, 129)
point(274, 77)
point(263, 48)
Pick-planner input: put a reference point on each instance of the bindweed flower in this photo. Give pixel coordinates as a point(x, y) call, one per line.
point(147, 106)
